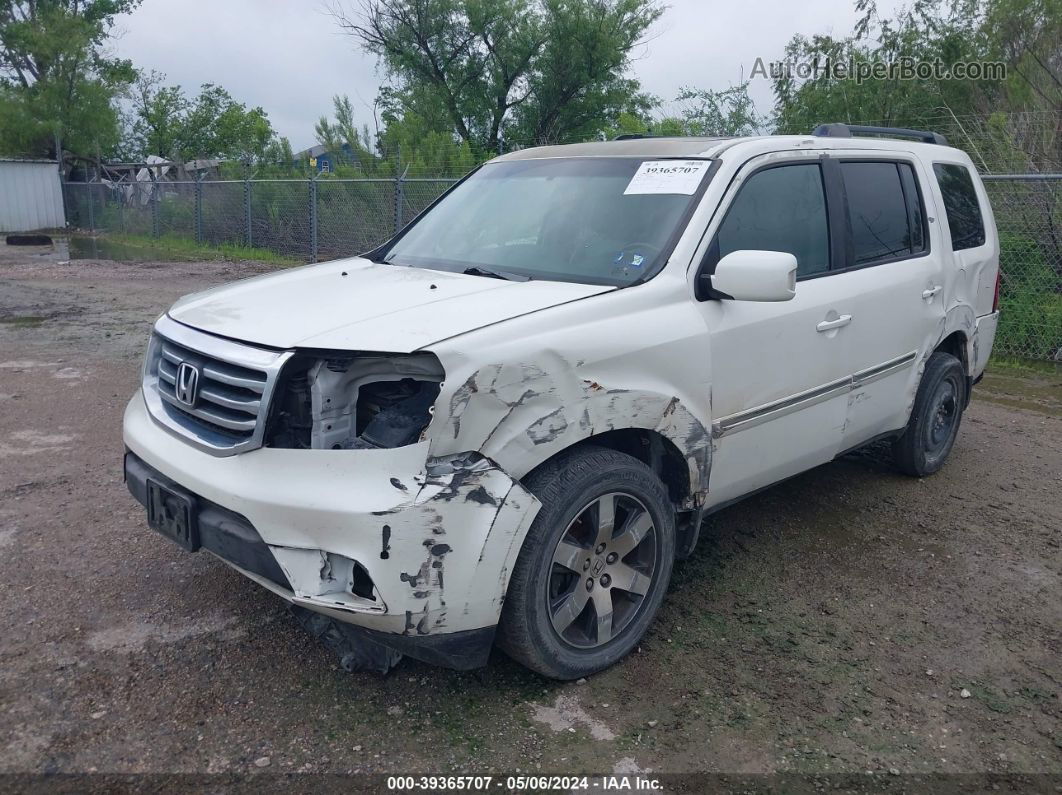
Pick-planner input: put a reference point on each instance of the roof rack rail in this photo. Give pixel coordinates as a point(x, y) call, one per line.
point(848, 130)
point(633, 136)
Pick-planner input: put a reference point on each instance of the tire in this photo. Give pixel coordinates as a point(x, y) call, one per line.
point(930, 434)
point(545, 594)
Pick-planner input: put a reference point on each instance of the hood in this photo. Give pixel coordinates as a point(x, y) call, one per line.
point(356, 304)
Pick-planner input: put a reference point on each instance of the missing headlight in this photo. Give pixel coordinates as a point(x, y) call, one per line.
point(354, 402)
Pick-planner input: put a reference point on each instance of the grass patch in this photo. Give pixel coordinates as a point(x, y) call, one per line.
point(989, 697)
point(22, 321)
point(1007, 365)
point(185, 249)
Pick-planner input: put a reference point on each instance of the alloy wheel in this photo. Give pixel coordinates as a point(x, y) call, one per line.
point(601, 570)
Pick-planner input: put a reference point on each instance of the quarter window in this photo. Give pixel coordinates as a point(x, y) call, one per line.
point(961, 205)
point(780, 209)
point(915, 213)
point(879, 195)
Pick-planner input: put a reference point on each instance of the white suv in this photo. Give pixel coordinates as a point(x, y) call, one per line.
point(506, 423)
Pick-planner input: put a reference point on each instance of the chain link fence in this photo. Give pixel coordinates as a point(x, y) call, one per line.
point(1028, 211)
point(327, 218)
point(306, 219)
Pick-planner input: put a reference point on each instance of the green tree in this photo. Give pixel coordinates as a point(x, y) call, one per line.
point(415, 144)
point(1006, 123)
point(57, 84)
point(1027, 35)
point(729, 111)
point(417, 147)
point(927, 31)
point(342, 136)
point(218, 126)
point(701, 112)
point(525, 70)
point(158, 116)
point(212, 124)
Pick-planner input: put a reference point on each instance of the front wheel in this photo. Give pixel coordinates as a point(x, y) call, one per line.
point(930, 434)
point(594, 567)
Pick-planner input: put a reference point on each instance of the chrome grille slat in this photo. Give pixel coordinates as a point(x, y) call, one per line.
point(166, 372)
point(215, 395)
point(235, 383)
point(216, 374)
point(245, 426)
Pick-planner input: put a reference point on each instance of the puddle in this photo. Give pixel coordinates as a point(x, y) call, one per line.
point(85, 247)
point(78, 247)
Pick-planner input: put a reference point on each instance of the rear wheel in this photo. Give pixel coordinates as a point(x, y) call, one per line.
point(594, 567)
point(930, 434)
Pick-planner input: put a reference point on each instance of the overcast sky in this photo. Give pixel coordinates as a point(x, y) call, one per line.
point(289, 57)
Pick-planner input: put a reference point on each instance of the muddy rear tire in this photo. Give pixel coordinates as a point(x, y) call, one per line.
point(935, 418)
point(594, 567)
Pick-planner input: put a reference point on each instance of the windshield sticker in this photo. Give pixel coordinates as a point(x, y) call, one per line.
point(668, 176)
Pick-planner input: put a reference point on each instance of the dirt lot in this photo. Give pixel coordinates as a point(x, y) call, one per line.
point(850, 620)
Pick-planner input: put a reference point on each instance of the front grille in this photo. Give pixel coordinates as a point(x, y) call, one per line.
point(234, 382)
point(229, 397)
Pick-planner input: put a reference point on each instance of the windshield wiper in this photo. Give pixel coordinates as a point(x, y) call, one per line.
point(479, 270)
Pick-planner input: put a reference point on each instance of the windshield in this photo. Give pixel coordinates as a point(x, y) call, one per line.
point(589, 220)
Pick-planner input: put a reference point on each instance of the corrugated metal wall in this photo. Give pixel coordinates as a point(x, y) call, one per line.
point(30, 196)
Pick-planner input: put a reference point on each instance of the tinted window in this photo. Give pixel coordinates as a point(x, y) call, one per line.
point(881, 228)
point(780, 209)
point(960, 203)
point(915, 213)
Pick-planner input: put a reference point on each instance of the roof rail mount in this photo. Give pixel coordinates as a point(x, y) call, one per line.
point(848, 130)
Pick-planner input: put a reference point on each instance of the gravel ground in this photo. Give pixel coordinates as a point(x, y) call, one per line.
point(849, 620)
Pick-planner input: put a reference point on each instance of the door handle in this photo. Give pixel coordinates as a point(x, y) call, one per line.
point(928, 294)
point(830, 325)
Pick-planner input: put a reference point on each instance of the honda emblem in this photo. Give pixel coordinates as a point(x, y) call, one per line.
point(186, 390)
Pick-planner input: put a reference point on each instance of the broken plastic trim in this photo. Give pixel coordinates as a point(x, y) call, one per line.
point(354, 401)
point(357, 651)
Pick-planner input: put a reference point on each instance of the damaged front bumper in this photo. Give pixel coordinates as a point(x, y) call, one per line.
point(416, 554)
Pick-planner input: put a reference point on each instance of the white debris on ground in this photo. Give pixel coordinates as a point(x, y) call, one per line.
point(567, 713)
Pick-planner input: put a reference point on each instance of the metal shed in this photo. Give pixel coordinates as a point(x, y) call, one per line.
point(31, 196)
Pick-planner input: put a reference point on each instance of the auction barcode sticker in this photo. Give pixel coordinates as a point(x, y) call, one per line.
point(668, 176)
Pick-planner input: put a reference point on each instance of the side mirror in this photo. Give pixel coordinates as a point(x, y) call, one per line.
point(756, 276)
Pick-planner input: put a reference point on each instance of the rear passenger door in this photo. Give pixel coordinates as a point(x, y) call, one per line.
point(894, 271)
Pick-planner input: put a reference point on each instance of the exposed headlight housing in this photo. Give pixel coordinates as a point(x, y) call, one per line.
point(346, 401)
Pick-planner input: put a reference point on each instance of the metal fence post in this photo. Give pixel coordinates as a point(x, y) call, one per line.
point(313, 219)
point(92, 215)
point(400, 191)
point(247, 208)
point(199, 209)
point(400, 203)
point(156, 226)
point(119, 194)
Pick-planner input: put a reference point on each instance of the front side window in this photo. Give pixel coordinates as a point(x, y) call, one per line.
point(960, 203)
point(780, 209)
point(582, 220)
point(882, 228)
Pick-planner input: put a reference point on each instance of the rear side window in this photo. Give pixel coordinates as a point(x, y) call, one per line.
point(885, 211)
point(780, 209)
point(961, 205)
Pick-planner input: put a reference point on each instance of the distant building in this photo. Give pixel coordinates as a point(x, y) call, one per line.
point(324, 161)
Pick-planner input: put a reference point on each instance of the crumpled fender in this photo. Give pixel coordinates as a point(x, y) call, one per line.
point(522, 414)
